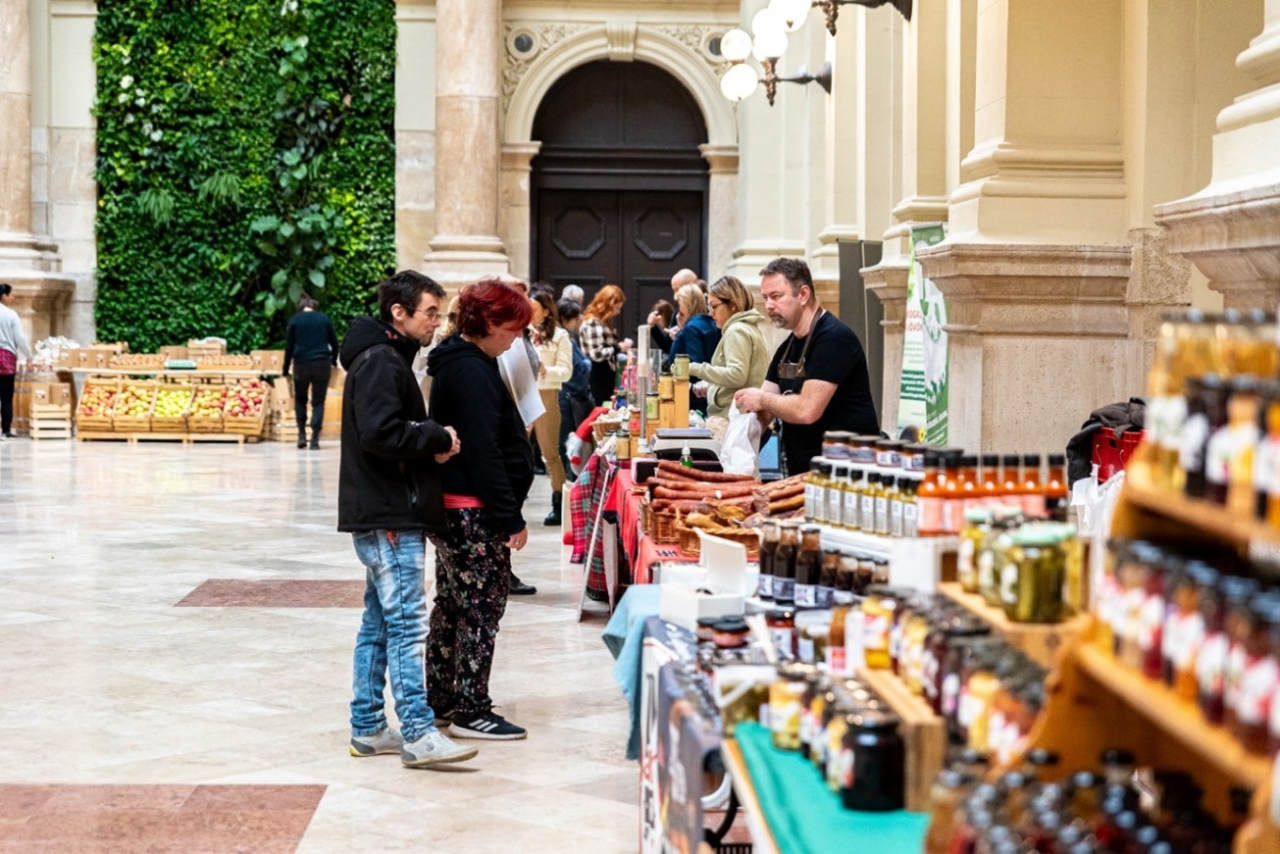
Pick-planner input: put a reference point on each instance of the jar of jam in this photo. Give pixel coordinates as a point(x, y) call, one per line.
point(940, 671)
point(1211, 660)
point(730, 633)
point(879, 610)
point(782, 629)
point(835, 445)
point(706, 629)
point(785, 704)
point(1260, 676)
point(873, 776)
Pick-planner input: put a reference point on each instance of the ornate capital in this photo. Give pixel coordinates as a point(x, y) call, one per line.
point(622, 40)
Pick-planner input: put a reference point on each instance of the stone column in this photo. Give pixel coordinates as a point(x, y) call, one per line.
point(469, 48)
point(722, 230)
point(889, 284)
point(1231, 228)
point(514, 209)
point(27, 262)
point(1036, 261)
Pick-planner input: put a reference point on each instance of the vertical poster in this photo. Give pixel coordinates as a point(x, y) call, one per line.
point(919, 401)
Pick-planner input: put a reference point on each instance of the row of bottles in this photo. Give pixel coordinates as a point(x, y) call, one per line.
point(795, 571)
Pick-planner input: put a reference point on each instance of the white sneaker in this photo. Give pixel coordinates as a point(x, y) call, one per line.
point(386, 741)
point(434, 748)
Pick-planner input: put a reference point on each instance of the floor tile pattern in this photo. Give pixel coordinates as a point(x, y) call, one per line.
point(103, 682)
point(286, 593)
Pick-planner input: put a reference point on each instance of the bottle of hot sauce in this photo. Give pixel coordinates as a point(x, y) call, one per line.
point(989, 488)
point(929, 498)
point(951, 494)
point(1056, 490)
point(1031, 492)
point(970, 487)
point(1010, 481)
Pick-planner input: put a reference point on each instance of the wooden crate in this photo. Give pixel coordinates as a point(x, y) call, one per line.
point(253, 425)
point(173, 423)
point(140, 362)
point(99, 422)
point(135, 423)
point(924, 734)
point(50, 421)
point(207, 423)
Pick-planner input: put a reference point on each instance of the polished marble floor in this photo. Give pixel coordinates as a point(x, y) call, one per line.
point(229, 713)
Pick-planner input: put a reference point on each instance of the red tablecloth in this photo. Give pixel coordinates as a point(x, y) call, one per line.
point(642, 552)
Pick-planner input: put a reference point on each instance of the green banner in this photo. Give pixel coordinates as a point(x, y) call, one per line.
point(923, 392)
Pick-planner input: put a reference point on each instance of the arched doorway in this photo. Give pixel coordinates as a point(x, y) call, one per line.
point(619, 188)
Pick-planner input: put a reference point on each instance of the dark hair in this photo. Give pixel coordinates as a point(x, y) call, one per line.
point(551, 317)
point(490, 303)
point(5, 290)
point(665, 309)
point(540, 287)
point(568, 309)
point(406, 289)
point(794, 270)
point(307, 301)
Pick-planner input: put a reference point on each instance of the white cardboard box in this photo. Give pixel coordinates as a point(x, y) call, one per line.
point(719, 592)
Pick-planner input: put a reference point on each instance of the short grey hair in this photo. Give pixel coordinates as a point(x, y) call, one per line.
point(573, 293)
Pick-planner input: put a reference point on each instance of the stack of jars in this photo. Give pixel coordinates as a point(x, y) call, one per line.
point(1033, 571)
point(847, 732)
point(1036, 809)
point(890, 488)
point(1210, 631)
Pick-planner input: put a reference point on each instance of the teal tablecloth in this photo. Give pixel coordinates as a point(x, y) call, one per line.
point(624, 637)
point(805, 816)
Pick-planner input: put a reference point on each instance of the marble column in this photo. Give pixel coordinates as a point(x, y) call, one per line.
point(514, 207)
point(469, 48)
point(1036, 261)
point(1231, 228)
point(722, 230)
point(28, 262)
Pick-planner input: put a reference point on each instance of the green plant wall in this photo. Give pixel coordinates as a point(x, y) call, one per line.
point(246, 151)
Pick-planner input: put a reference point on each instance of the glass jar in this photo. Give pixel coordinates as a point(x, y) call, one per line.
point(1032, 579)
point(873, 775)
point(730, 633)
point(771, 534)
point(881, 574)
point(993, 557)
point(977, 523)
point(866, 574)
point(785, 696)
point(782, 630)
point(913, 458)
point(808, 568)
point(835, 444)
point(939, 673)
point(879, 610)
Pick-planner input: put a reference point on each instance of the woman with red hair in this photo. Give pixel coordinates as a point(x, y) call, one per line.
point(485, 486)
point(600, 341)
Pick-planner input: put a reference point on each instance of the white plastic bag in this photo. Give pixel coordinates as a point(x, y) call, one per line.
point(740, 450)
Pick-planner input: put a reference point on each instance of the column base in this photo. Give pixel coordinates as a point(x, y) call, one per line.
point(1038, 338)
point(1233, 235)
point(460, 260)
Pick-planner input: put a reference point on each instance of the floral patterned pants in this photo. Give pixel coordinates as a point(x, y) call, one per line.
point(472, 568)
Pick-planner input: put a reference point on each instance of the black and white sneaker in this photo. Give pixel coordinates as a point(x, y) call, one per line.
point(486, 725)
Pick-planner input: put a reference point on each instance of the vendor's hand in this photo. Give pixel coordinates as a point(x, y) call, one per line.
point(700, 388)
point(517, 541)
point(655, 319)
point(625, 345)
point(542, 372)
point(749, 400)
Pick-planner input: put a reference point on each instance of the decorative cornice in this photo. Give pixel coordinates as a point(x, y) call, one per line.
point(722, 159)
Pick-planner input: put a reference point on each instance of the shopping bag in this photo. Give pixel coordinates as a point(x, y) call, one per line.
point(740, 450)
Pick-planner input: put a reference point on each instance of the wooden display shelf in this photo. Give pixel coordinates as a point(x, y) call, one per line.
point(736, 766)
point(184, 438)
point(923, 733)
point(1041, 642)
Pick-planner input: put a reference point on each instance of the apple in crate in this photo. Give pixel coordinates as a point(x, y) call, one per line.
point(97, 400)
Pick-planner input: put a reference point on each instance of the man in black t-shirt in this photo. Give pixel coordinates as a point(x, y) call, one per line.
point(817, 380)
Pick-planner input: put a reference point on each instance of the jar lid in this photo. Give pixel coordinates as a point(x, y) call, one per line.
point(889, 444)
point(979, 514)
point(795, 671)
point(1036, 536)
point(874, 719)
point(729, 624)
point(707, 622)
point(781, 614)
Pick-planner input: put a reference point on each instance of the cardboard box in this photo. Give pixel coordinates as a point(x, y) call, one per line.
point(268, 361)
point(281, 395)
point(174, 352)
point(720, 593)
point(207, 347)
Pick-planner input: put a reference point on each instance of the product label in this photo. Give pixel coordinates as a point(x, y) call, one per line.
point(1195, 433)
point(950, 694)
point(910, 519)
point(837, 661)
point(929, 674)
point(764, 586)
point(895, 518)
point(964, 562)
point(882, 515)
point(967, 708)
point(784, 640)
point(876, 632)
point(784, 589)
point(1150, 622)
point(1211, 664)
point(1033, 506)
point(826, 596)
point(806, 595)
point(809, 491)
point(1009, 584)
point(844, 768)
point(805, 649)
point(1235, 671)
point(930, 512)
point(952, 515)
point(850, 515)
point(1131, 614)
point(867, 514)
point(986, 570)
point(1258, 684)
point(835, 506)
point(1188, 638)
point(1217, 457)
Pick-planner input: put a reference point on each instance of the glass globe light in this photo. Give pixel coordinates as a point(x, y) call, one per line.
point(770, 45)
point(739, 82)
point(735, 45)
point(793, 12)
point(767, 21)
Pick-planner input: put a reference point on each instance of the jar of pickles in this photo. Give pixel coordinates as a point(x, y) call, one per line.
point(786, 696)
point(1032, 578)
point(977, 523)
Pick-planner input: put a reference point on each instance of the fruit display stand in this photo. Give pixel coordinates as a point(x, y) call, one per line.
point(206, 410)
point(173, 403)
point(1096, 703)
point(131, 412)
point(93, 415)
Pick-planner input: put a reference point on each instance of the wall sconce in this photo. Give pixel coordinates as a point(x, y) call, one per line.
point(822, 77)
point(831, 8)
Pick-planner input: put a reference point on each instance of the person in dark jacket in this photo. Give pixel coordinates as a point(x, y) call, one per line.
point(575, 394)
point(698, 336)
point(311, 347)
point(484, 491)
point(389, 497)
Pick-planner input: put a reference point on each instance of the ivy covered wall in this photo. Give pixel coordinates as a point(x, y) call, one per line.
point(246, 151)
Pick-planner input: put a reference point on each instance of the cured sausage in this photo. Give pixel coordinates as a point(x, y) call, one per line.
point(705, 490)
point(672, 467)
point(692, 505)
point(786, 504)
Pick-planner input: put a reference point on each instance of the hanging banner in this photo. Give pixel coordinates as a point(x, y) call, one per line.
point(922, 393)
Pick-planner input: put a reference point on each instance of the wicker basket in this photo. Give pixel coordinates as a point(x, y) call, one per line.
point(691, 543)
point(664, 527)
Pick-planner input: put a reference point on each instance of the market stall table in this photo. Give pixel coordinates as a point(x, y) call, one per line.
point(641, 550)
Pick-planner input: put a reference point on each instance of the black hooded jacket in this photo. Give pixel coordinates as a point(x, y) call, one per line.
point(496, 461)
point(388, 478)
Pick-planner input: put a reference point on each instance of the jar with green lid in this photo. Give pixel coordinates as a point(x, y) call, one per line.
point(992, 552)
point(977, 522)
point(837, 488)
point(1031, 580)
point(786, 696)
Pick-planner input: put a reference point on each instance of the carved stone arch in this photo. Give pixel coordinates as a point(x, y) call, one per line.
point(650, 46)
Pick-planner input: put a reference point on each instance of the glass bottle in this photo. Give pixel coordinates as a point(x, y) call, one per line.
point(970, 487)
point(908, 486)
point(867, 503)
point(1260, 674)
point(1056, 489)
point(950, 490)
point(768, 546)
point(1031, 493)
point(808, 567)
point(837, 486)
point(989, 491)
point(827, 578)
point(1211, 660)
point(888, 494)
point(1243, 434)
point(1206, 413)
point(851, 513)
point(879, 610)
point(784, 564)
point(1266, 457)
point(929, 501)
point(813, 488)
point(1238, 625)
point(1010, 479)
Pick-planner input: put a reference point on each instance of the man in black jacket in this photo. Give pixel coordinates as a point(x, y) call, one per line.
point(389, 497)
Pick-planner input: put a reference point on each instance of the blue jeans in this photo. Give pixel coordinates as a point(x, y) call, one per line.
point(393, 634)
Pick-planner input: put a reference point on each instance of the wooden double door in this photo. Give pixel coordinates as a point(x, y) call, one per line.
point(636, 239)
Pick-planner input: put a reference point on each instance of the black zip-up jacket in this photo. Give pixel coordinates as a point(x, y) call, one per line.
point(388, 478)
point(496, 461)
point(310, 338)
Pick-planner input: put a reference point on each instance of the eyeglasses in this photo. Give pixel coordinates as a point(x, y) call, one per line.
point(714, 305)
point(431, 314)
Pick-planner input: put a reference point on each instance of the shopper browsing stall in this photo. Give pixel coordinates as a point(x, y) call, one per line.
point(698, 336)
point(485, 487)
point(555, 352)
point(742, 357)
point(817, 380)
point(389, 496)
point(575, 393)
point(12, 343)
point(600, 341)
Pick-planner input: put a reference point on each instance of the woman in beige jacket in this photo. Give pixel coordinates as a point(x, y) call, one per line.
point(555, 351)
point(742, 357)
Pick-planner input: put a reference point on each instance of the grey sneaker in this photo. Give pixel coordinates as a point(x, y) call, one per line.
point(386, 741)
point(434, 748)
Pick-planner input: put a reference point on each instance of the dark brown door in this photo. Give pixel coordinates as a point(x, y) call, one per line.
point(635, 239)
point(619, 188)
